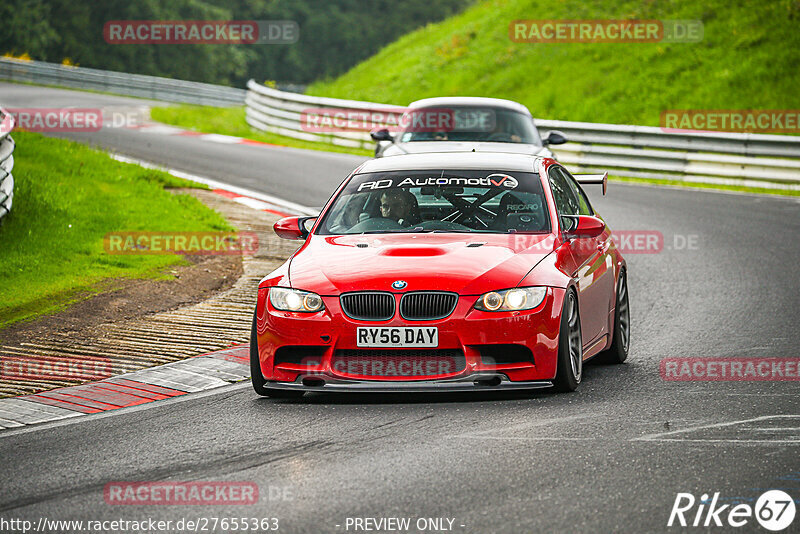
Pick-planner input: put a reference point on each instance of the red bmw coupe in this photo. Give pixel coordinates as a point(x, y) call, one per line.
point(444, 272)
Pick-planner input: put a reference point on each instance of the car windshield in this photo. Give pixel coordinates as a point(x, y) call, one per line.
point(453, 123)
point(439, 201)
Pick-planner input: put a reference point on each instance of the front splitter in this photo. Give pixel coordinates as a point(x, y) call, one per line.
point(474, 382)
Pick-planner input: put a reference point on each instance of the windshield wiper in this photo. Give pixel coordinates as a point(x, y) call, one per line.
point(414, 230)
point(420, 230)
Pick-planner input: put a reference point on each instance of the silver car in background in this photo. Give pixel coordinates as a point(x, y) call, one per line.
point(476, 124)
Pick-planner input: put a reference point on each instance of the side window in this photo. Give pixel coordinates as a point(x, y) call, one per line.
point(564, 196)
point(583, 203)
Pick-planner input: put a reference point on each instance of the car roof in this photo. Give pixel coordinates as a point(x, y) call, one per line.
point(477, 101)
point(490, 161)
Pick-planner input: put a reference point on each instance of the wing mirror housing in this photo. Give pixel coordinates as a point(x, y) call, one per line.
point(292, 227)
point(586, 226)
point(555, 138)
point(381, 135)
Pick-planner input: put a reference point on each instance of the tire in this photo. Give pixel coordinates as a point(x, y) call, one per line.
point(257, 378)
point(621, 335)
point(570, 346)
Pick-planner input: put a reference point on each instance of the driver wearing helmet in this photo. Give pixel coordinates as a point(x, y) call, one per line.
point(396, 205)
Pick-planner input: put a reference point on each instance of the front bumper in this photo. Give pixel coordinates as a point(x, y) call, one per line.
point(470, 331)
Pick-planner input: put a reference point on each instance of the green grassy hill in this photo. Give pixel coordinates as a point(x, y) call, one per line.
point(748, 59)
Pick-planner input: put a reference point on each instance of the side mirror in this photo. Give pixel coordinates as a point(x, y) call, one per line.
point(292, 227)
point(586, 226)
point(555, 138)
point(381, 135)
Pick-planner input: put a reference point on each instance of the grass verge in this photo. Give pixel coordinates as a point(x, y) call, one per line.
point(67, 197)
point(230, 121)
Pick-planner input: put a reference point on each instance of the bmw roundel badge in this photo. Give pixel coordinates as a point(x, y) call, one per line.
point(399, 284)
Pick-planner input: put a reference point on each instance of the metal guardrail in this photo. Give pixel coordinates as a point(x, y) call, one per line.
point(139, 85)
point(650, 152)
point(279, 112)
point(636, 151)
point(6, 162)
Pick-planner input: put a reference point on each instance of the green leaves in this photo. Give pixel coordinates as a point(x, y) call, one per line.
point(334, 36)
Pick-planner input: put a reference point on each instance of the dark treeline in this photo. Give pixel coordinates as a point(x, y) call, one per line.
point(334, 35)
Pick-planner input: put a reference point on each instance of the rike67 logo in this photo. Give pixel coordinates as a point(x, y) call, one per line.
point(774, 510)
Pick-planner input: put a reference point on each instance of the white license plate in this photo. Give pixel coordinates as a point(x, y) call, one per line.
point(397, 336)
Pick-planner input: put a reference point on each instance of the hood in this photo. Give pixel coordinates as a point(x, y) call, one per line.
point(469, 264)
point(420, 147)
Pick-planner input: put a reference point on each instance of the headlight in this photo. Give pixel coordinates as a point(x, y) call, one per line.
point(293, 300)
point(518, 298)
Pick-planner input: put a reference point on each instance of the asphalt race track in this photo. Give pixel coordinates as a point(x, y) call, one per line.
point(610, 457)
point(284, 172)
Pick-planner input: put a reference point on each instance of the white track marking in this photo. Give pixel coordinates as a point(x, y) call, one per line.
point(224, 139)
point(162, 129)
point(253, 203)
point(673, 435)
point(523, 438)
point(277, 203)
point(731, 441)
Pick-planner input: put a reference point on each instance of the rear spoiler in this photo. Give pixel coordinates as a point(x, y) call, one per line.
point(593, 179)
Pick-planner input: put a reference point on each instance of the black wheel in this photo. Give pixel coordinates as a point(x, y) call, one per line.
point(621, 336)
point(570, 346)
point(255, 372)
